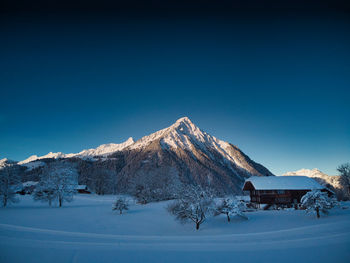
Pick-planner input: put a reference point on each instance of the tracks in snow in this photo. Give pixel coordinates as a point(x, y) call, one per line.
point(328, 233)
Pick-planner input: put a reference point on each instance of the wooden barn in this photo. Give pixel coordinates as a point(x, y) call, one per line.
point(82, 189)
point(280, 190)
point(26, 188)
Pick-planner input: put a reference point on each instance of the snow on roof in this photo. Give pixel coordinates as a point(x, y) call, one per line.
point(284, 183)
point(29, 183)
point(80, 187)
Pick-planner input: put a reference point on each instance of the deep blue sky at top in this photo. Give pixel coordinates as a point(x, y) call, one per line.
point(275, 82)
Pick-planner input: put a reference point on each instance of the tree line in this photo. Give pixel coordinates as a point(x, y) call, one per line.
point(58, 180)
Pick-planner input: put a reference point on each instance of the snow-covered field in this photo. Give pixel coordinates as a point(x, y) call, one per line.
point(87, 230)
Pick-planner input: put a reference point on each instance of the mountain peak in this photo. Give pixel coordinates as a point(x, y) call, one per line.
point(184, 120)
point(130, 140)
point(5, 161)
point(185, 125)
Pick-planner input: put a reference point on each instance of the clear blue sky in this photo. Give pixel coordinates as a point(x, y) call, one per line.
point(276, 86)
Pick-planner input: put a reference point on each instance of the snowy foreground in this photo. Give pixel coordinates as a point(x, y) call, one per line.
point(87, 230)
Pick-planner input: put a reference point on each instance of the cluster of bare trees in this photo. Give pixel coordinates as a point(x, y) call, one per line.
point(193, 204)
point(58, 182)
point(145, 194)
point(231, 207)
point(154, 187)
point(99, 179)
point(196, 204)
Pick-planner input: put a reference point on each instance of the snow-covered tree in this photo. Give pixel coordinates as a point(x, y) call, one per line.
point(58, 181)
point(344, 171)
point(45, 190)
point(9, 180)
point(120, 204)
point(316, 201)
point(231, 207)
point(193, 204)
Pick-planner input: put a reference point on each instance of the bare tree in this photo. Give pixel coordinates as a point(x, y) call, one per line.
point(231, 207)
point(317, 201)
point(344, 171)
point(57, 182)
point(45, 190)
point(193, 204)
point(120, 204)
point(9, 179)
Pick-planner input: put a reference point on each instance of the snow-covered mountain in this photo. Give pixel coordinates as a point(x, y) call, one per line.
point(105, 149)
point(161, 161)
point(101, 151)
point(4, 162)
point(184, 135)
point(308, 172)
point(325, 179)
point(183, 153)
point(50, 155)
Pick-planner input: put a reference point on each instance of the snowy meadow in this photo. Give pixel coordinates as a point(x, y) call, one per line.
point(88, 230)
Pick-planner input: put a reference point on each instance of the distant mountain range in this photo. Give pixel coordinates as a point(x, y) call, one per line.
point(315, 173)
point(179, 154)
point(101, 151)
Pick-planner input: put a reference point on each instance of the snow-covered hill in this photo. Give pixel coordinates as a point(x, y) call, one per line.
point(87, 231)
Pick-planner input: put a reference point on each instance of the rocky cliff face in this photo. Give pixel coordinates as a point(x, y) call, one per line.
point(165, 160)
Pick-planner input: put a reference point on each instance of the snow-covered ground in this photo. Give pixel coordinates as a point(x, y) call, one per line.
point(87, 230)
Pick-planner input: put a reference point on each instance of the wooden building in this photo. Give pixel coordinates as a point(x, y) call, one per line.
point(82, 189)
point(280, 190)
point(26, 188)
